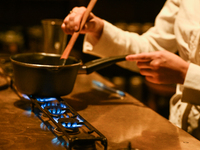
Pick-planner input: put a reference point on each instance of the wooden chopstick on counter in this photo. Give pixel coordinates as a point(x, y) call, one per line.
point(76, 34)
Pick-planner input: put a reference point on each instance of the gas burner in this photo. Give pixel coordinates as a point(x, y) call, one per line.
point(56, 110)
point(71, 125)
point(46, 99)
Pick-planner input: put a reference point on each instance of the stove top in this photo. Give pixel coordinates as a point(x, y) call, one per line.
point(73, 131)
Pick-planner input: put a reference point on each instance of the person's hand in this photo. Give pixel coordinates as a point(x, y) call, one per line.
point(161, 67)
point(93, 26)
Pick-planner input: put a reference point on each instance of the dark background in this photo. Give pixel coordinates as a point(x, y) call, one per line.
point(30, 12)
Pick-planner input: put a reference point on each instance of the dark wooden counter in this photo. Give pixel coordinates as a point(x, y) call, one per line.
point(120, 120)
point(126, 120)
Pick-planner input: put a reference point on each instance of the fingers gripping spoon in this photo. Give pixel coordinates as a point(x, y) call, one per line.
point(76, 34)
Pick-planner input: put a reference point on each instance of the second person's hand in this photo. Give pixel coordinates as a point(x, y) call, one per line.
point(161, 67)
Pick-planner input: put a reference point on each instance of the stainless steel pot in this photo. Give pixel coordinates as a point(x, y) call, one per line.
point(44, 75)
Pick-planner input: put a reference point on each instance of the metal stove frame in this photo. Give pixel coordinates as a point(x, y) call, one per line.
point(67, 139)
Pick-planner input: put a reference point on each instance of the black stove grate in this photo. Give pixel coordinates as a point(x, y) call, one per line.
point(71, 129)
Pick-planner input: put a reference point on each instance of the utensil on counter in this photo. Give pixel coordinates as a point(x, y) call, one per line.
point(76, 34)
point(107, 88)
point(43, 75)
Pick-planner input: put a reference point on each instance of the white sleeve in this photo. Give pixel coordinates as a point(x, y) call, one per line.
point(191, 85)
point(115, 41)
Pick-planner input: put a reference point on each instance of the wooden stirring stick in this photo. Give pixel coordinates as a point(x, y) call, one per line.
point(76, 34)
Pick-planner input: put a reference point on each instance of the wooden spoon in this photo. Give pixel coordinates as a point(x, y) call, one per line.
point(76, 34)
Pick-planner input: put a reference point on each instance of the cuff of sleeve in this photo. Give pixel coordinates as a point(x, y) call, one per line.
point(191, 91)
point(100, 48)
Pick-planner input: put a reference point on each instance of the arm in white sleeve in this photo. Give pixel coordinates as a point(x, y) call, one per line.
point(115, 41)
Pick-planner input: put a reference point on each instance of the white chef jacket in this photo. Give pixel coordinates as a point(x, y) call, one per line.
point(177, 27)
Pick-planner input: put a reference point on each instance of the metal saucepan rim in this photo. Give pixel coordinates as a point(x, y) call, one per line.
point(79, 62)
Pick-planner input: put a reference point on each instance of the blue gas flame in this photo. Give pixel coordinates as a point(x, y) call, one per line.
point(26, 96)
point(71, 125)
point(46, 99)
point(59, 109)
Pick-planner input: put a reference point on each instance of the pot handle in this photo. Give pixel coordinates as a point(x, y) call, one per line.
point(100, 63)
